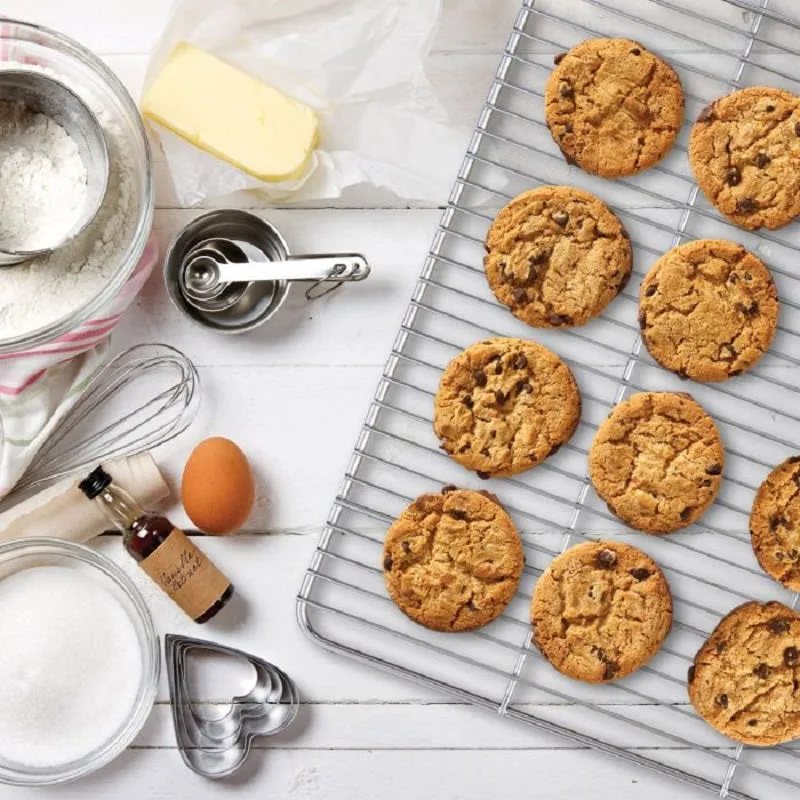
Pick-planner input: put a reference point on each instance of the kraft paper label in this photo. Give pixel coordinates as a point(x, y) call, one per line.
point(185, 574)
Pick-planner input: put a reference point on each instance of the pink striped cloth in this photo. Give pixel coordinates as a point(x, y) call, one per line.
point(37, 387)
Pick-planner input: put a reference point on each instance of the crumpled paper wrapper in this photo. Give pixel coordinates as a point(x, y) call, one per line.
point(357, 63)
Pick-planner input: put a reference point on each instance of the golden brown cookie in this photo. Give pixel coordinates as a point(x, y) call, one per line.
point(745, 154)
point(775, 524)
point(600, 611)
point(613, 107)
point(745, 680)
point(657, 461)
point(504, 405)
point(452, 561)
point(557, 256)
point(708, 310)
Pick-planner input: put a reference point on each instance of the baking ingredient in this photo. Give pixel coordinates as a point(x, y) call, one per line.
point(218, 490)
point(232, 115)
point(163, 551)
point(61, 511)
point(70, 666)
point(43, 181)
point(45, 289)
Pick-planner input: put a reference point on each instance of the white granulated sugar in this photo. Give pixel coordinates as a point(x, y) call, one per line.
point(70, 666)
point(37, 293)
point(43, 181)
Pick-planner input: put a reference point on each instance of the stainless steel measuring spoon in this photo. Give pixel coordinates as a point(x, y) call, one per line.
point(216, 273)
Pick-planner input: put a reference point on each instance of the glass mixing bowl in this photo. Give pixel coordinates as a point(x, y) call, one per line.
point(28, 553)
point(25, 44)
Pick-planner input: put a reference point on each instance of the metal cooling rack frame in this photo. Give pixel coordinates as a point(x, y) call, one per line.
point(716, 46)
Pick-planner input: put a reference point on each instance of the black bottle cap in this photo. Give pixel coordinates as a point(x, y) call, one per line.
point(95, 482)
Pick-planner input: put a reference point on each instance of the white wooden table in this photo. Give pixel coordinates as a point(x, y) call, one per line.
point(294, 395)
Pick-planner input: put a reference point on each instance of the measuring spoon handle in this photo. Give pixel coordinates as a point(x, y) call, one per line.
point(328, 267)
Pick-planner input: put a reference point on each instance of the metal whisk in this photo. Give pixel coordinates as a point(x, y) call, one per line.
point(142, 398)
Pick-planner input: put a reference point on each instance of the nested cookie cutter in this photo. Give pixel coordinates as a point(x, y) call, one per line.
point(231, 271)
point(216, 748)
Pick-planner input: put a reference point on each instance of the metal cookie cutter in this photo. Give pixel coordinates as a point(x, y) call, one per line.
point(216, 748)
point(230, 271)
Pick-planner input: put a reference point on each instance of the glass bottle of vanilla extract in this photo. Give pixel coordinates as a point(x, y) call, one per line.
point(163, 551)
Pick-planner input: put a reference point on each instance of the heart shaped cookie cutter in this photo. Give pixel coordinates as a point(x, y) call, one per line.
point(216, 748)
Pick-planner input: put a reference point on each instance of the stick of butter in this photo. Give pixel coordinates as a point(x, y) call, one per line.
point(231, 115)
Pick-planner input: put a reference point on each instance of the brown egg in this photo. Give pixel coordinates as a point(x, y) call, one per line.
point(217, 490)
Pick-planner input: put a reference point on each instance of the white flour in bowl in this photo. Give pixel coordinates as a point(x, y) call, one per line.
point(43, 181)
point(40, 292)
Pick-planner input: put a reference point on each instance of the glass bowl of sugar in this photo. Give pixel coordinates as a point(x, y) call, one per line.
point(79, 662)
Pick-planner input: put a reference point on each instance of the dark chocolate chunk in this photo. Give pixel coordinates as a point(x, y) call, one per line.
point(387, 563)
point(691, 673)
point(770, 108)
point(640, 573)
point(559, 319)
point(566, 91)
point(561, 218)
point(451, 487)
point(714, 469)
point(480, 377)
point(523, 387)
point(682, 374)
point(687, 512)
point(636, 51)
point(470, 605)
point(498, 370)
point(748, 310)
point(500, 396)
point(558, 58)
point(791, 656)
point(762, 159)
point(797, 128)
point(458, 513)
point(778, 625)
point(642, 319)
point(553, 450)
point(777, 522)
point(520, 361)
point(761, 671)
point(746, 205)
point(706, 482)
point(406, 547)
point(612, 668)
point(519, 296)
point(733, 176)
point(468, 401)
point(719, 647)
point(484, 476)
point(723, 700)
point(651, 290)
point(606, 558)
point(726, 352)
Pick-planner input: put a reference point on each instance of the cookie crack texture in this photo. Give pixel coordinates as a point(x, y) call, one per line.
point(775, 524)
point(504, 405)
point(556, 256)
point(745, 153)
point(657, 461)
point(708, 310)
point(600, 611)
point(613, 107)
point(453, 561)
point(744, 678)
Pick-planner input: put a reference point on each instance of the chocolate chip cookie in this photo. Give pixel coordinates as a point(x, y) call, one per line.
point(745, 680)
point(613, 107)
point(657, 461)
point(600, 611)
point(557, 256)
point(745, 154)
point(452, 561)
point(708, 310)
point(504, 405)
point(775, 524)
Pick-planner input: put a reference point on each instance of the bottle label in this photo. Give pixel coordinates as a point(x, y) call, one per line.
point(185, 574)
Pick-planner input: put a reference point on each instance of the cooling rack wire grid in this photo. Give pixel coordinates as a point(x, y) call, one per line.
point(716, 46)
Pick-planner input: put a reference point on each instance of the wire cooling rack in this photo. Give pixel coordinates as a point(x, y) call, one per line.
point(716, 46)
